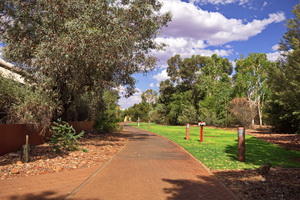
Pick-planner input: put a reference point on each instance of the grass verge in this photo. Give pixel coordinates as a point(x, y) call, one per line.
point(219, 149)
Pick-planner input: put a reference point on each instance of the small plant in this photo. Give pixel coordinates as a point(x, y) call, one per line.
point(64, 136)
point(85, 150)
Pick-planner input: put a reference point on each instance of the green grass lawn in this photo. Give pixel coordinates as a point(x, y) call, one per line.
point(219, 149)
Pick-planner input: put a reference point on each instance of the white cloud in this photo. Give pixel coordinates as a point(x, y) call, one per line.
point(162, 76)
point(193, 30)
point(240, 2)
point(152, 85)
point(265, 4)
point(211, 28)
point(273, 56)
point(275, 47)
point(186, 47)
point(130, 101)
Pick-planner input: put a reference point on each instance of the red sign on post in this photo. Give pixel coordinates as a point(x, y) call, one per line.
point(201, 124)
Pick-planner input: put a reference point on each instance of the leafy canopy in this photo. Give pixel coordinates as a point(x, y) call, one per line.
point(74, 45)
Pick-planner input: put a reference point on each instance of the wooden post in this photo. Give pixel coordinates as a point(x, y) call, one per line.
point(187, 132)
point(26, 151)
point(241, 144)
point(138, 121)
point(148, 124)
point(201, 133)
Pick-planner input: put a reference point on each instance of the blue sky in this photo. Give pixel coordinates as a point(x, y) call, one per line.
point(228, 28)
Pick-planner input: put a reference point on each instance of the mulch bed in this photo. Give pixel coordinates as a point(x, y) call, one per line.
point(100, 148)
point(280, 183)
point(248, 184)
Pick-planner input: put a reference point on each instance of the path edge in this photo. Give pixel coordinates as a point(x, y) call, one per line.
point(236, 197)
point(78, 188)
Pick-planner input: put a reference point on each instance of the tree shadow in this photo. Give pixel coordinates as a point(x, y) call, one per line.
point(207, 187)
point(45, 195)
point(136, 134)
point(258, 151)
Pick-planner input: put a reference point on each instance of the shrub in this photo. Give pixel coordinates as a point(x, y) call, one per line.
point(63, 136)
point(244, 110)
point(106, 124)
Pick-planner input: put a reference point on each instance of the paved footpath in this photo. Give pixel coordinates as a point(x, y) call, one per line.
point(148, 168)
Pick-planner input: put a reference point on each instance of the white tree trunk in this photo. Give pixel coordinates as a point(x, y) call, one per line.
point(259, 114)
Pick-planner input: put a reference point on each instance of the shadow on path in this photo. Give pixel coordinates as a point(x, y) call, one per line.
point(45, 195)
point(203, 188)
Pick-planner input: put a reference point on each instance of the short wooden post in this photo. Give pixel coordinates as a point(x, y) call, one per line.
point(187, 132)
point(26, 151)
point(148, 124)
point(201, 133)
point(138, 121)
point(201, 124)
point(241, 144)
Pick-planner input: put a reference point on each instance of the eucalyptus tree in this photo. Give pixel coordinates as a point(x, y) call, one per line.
point(72, 46)
point(251, 80)
point(200, 82)
point(150, 98)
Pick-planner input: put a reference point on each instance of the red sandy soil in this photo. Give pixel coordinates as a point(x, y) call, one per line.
point(43, 159)
point(280, 183)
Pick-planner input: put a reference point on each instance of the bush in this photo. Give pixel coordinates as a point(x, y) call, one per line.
point(106, 123)
point(63, 136)
point(244, 110)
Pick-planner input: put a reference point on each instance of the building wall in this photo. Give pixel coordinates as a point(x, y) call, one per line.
point(13, 136)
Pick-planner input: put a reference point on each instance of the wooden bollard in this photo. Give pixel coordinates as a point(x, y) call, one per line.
point(201, 124)
point(26, 151)
point(187, 132)
point(241, 144)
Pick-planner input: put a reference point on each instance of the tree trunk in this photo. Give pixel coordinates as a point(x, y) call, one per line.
point(260, 114)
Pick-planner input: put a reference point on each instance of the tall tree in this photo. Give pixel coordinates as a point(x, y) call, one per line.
point(251, 79)
point(285, 82)
point(72, 46)
point(197, 79)
point(150, 98)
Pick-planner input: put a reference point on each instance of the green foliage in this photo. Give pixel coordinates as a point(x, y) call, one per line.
point(284, 107)
point(145, 109)
point(26, 105)
point(202, 92)
point(107, 119)
point(251, 80)
point(71, 47)
point(219, 151)
point(85, 150)
point(64, 137)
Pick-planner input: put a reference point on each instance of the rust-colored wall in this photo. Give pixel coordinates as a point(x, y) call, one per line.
point(13, 136)
point(82, 125)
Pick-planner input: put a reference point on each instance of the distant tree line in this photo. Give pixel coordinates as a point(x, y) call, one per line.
point(205, 88)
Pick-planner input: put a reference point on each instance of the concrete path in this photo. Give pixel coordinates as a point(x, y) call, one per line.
point(151, 167)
